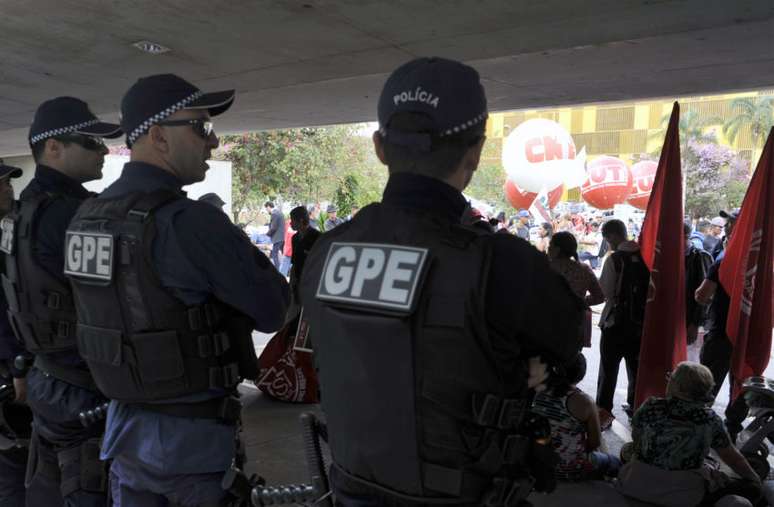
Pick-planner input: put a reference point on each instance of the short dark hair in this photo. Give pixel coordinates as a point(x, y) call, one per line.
point(299, 213)
point(445, 152)
point(39, 147)
point(614, 227)
point(548, 227)
point(687, 228)
point(566, 243)
point(268, 204)
point(569, 374)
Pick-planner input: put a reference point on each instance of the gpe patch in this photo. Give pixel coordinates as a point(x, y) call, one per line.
point(371, 275)
point(89, 255)
point(7, 238)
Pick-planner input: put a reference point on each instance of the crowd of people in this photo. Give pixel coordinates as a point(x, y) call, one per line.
point(446, 375)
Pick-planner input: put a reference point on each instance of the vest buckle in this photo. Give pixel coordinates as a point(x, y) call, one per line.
point(213, 345)
point(486, 412)
point(54, 300)
point(63, 329)
point(137, 215)
point(225, 376)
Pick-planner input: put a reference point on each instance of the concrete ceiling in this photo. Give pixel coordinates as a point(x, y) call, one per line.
point(314, 62)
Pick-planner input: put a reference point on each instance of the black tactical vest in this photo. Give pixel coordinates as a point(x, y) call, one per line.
point(414, 399)
point(141, 343)
point(40, 306)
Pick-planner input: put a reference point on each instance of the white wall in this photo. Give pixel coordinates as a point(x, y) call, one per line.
point(217, 179)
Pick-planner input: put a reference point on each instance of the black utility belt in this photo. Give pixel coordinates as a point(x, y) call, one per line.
point(227, 409)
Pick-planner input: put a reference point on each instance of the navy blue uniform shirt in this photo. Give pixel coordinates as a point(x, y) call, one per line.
point(197, 253)
point(530, 309)
point(52, 223)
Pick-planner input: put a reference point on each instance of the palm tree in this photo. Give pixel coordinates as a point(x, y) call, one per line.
point(691, 127)
point(757, 113)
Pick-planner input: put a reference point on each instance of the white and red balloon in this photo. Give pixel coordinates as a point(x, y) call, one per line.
point(540, 154)
point(609, 182)
point(521, 199)
point(643, 174)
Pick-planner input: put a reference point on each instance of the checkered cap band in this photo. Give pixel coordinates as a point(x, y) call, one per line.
point(143, 127)
point(465, 125)
point(61, 131)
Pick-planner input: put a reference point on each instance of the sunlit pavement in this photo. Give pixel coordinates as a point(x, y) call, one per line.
point(274, 448)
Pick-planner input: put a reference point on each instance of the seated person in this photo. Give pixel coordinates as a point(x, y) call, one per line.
point(575, 432)
point(672, 438)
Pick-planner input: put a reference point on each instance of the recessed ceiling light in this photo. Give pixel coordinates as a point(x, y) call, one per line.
point(153, 48)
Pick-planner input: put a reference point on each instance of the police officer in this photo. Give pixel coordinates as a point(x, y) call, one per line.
point(13, 455)
point(423, 327)
point(66, 142)
point(168, 292)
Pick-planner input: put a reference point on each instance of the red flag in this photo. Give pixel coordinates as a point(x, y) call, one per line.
point(746, 274)
point(662, 244)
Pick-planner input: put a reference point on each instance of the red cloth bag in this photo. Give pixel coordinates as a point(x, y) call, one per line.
point(287, 374)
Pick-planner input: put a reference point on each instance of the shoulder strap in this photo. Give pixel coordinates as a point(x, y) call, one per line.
point(150, 201)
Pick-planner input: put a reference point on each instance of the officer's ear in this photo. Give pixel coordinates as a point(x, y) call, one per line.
point(53, 149)
point(473, 156)
point(158, 138)
point(379, 147)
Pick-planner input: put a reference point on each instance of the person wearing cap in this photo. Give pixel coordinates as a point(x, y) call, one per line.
point(66, 140)
point(166, 328)
point(717, 348)
point(332, 221)
point(714, 235)
point(729, 219)
point(522, 226)
point(13, 460)
point(212, 199)
point(424, 327)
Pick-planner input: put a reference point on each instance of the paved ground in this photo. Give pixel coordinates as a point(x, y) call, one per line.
point(274, 448)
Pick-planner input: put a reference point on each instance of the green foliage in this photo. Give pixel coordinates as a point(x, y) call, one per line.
point(346, 194)
point(300, 166)
point(755, 113)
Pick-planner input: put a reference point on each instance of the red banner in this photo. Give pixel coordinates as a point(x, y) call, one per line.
point(662, 244)
point(746, 273)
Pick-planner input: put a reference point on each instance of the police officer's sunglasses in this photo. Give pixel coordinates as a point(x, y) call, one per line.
point(202, 128)
point(86, 142)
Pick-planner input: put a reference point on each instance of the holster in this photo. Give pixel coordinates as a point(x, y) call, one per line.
point(81, 468)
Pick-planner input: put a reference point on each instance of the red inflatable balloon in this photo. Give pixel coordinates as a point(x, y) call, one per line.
point(521, 199)
point(643, 174)
point(609, 182)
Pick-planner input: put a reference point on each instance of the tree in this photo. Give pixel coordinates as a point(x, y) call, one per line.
point(257, 171)
point(346, 194)
point(755, 113)
point(716, 177)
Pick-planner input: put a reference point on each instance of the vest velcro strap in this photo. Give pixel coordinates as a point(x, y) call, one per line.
point(492, 411)
point(225, 376)
point(215, 344)
point(227, 409)
point(64, 329)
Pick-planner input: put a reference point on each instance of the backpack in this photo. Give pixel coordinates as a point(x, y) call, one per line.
point(632, 290)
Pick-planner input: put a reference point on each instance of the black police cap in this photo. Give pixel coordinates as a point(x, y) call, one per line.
point(9, 171)
point(68, 115)
point(448, 92)
point(152, 99)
